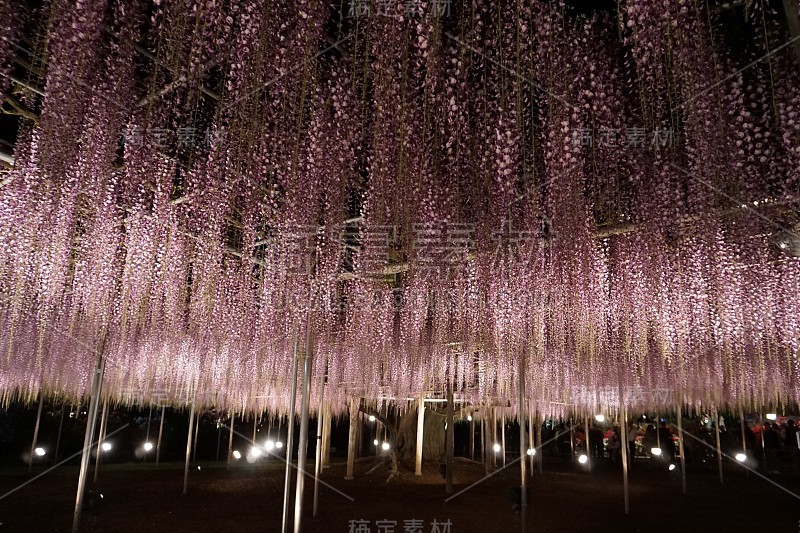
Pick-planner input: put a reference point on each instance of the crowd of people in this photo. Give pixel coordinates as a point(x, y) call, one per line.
point(773, 445)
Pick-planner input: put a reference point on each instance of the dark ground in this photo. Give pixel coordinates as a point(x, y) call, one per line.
point(140, 498)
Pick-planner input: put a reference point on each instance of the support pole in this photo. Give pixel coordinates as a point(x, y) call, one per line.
point(219, 439)
point(472, 436)
point(761, 438)
point(351, 441)
point(147, 435)
point(420, 429)
point(188, 450)
point(571, 439)
point(623, 423)
point(160, 433)
point(531, 442)
point(541, 446)
point(102, 438)
point(449, 440)
point(680, 449)
point(719, 447)
point(522, 451)
point(58, 438)
point(327, 426)
point(196, 433)
point(658, 433)
point(230, 440)
point(744, 436)
point(302, 441)
point(94, 401)
point(488, 450)
point(494, 436)
point(378, 433)
point(503, 435)
point(290, 440)
point(320, 443)
point(483, 441)
point(624, 447)
point(586, 440)
point(149, 418)
point(36, 430)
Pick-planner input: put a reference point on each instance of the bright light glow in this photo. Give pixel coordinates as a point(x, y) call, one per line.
point(39, 451)
point(531, 452)
point(255, 451)
point(269, 445)
point(385, 446)
point(582, 459)
point(655, 451)
point(469, 418)
point(496, 448)
point(375, 442)
point(279, 445)
point(672, 467)
point(772, 416)
point(371, 418)
point(106, 446)
point(741, 457)
point(236, 454)
point(600, 418)
point(148, 446)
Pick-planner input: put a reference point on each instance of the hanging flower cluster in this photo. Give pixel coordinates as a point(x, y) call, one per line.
point(420, 199)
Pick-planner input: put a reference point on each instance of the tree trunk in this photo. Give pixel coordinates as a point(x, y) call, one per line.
point(433, 433)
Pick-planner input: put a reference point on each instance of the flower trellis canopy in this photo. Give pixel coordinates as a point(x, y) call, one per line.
point(415, 193)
